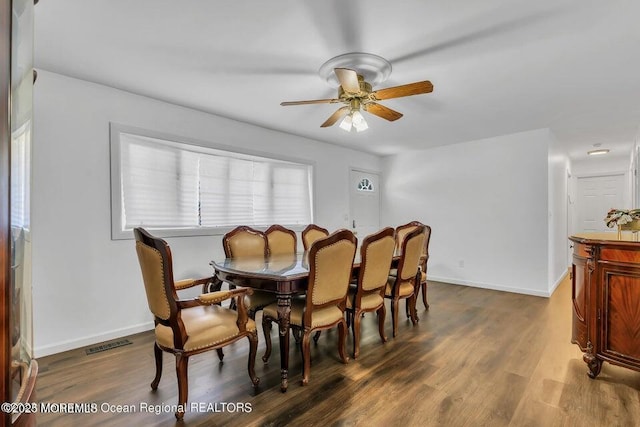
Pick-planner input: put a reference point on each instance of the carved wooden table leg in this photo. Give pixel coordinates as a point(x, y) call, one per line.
point(594, 364)
point(284, 316)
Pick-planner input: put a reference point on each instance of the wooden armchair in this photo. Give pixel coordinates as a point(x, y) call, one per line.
point(190, 326)
point(330, 264)
point(312, 233)
point(376, 255)
point(404, 284)
point(246, 242)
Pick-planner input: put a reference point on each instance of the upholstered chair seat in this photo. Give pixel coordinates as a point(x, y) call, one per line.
point(258, 300)
point(406, 287)
point(206, 326)
point(319, 318)
point(368, 301)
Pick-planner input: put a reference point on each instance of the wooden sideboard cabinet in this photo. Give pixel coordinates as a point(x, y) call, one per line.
point(606, 299)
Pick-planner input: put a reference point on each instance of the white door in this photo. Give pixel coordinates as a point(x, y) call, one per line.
point(364, 202)
point(596, 195)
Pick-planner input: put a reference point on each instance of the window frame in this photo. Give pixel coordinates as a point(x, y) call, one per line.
point(117, 221)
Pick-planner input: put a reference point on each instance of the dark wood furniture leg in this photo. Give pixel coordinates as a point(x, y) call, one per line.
point(284, 317)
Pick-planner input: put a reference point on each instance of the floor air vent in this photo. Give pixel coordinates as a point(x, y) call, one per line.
point(107, 346)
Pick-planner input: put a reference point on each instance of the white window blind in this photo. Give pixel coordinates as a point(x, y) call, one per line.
point(20, 177)
point(173, 185)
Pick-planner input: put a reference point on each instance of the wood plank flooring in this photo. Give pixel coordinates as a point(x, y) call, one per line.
point(477, 357)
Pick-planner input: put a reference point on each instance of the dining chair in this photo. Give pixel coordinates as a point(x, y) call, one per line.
point(424, 259)
point(312, 233)
point(185, 327)
point(404, 284)
point(330, 265)
point(243, 243)
point(281, 240)
point(401, 233)
point(403, 230)
point(376, 255)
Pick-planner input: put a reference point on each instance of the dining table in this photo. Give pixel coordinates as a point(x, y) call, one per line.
point(285, 275)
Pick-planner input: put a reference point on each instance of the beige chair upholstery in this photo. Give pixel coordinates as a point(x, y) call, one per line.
point(190, 326)
point(246, 242)
point(281, 241)
point(403, 230)
point(330, 265)
point(312, 233)
point(403, 284)
point(376, 255)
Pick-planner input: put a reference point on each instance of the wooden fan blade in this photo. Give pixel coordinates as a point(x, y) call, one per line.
point(340, 113)
point(348, 79)
point(382, 111)
point(314, 101)
point(404, 90)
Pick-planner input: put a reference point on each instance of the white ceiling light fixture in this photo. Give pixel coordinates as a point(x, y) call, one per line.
point(346, 123)
point(358, 121)
point(354, 118)
point(598, 152)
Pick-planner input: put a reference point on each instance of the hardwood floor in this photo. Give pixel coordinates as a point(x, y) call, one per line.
point(477, 357)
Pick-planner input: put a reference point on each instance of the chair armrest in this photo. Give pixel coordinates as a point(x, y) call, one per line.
point(219, 296)
point(213, 297)
point(189, 283)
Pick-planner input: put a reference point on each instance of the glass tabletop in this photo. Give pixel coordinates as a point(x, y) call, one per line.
point(283, 267)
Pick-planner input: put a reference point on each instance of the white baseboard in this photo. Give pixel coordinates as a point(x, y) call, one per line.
point(50, 349)
point(557, 283)
point(525, 291)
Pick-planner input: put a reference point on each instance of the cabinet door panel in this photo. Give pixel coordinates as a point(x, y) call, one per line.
point(621, 293)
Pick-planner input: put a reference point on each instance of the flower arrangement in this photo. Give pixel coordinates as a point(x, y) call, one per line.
point(621, 217)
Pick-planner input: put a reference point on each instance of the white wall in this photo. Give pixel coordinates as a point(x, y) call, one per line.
point(559, 168)
point(87, 288)
point(487, 204)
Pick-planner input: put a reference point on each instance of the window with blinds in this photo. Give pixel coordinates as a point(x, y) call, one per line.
point(178, 188)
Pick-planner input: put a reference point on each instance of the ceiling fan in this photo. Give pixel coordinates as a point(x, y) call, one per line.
point(351, 71)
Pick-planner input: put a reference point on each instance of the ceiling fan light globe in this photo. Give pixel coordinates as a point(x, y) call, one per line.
point(358, 121)
point(362, 126)
point(357, 118)
point(346, 123)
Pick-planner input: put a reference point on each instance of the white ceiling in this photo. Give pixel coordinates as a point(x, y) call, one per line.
point(498, 66)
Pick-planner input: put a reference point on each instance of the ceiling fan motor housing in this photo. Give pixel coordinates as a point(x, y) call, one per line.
point(365, 90)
